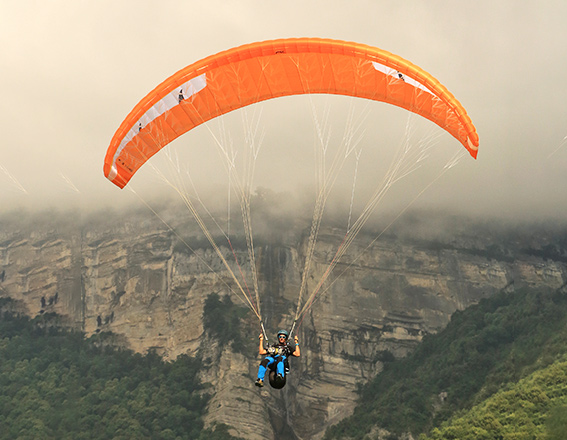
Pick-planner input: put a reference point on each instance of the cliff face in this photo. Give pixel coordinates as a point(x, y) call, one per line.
point(136, 278)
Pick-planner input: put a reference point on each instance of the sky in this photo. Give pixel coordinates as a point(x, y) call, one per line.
point(70, 72)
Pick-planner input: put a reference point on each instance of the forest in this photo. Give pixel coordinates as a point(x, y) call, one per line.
point(57, 384)
point(469, 380)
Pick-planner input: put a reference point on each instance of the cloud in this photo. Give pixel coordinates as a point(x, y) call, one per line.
point(71, 71)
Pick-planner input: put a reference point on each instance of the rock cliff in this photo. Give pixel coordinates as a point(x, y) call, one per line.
point(135, 277)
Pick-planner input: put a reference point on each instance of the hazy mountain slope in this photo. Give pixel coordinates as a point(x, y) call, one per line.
point(533, 408)
point(483, 349)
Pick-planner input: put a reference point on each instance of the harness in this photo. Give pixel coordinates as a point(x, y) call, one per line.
point(279, 350)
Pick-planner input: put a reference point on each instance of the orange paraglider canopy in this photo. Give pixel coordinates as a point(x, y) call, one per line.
point(259, 71)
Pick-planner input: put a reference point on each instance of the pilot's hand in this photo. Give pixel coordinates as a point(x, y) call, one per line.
point(261, 336)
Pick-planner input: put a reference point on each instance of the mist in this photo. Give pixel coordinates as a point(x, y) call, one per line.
point(67, 82)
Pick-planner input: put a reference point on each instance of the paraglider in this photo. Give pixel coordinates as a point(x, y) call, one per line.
point(260, 71)
point(276, 361)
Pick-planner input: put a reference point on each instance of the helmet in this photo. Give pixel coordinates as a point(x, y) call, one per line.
point(283, 332)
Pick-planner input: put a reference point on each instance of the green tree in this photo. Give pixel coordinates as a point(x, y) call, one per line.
point(556, 423)
point(56, 384)
point(496, 342)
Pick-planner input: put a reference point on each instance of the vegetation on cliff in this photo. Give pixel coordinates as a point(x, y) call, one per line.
point(533, 408)
point(482, 351)
point(226, 322)
point(55, 384)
